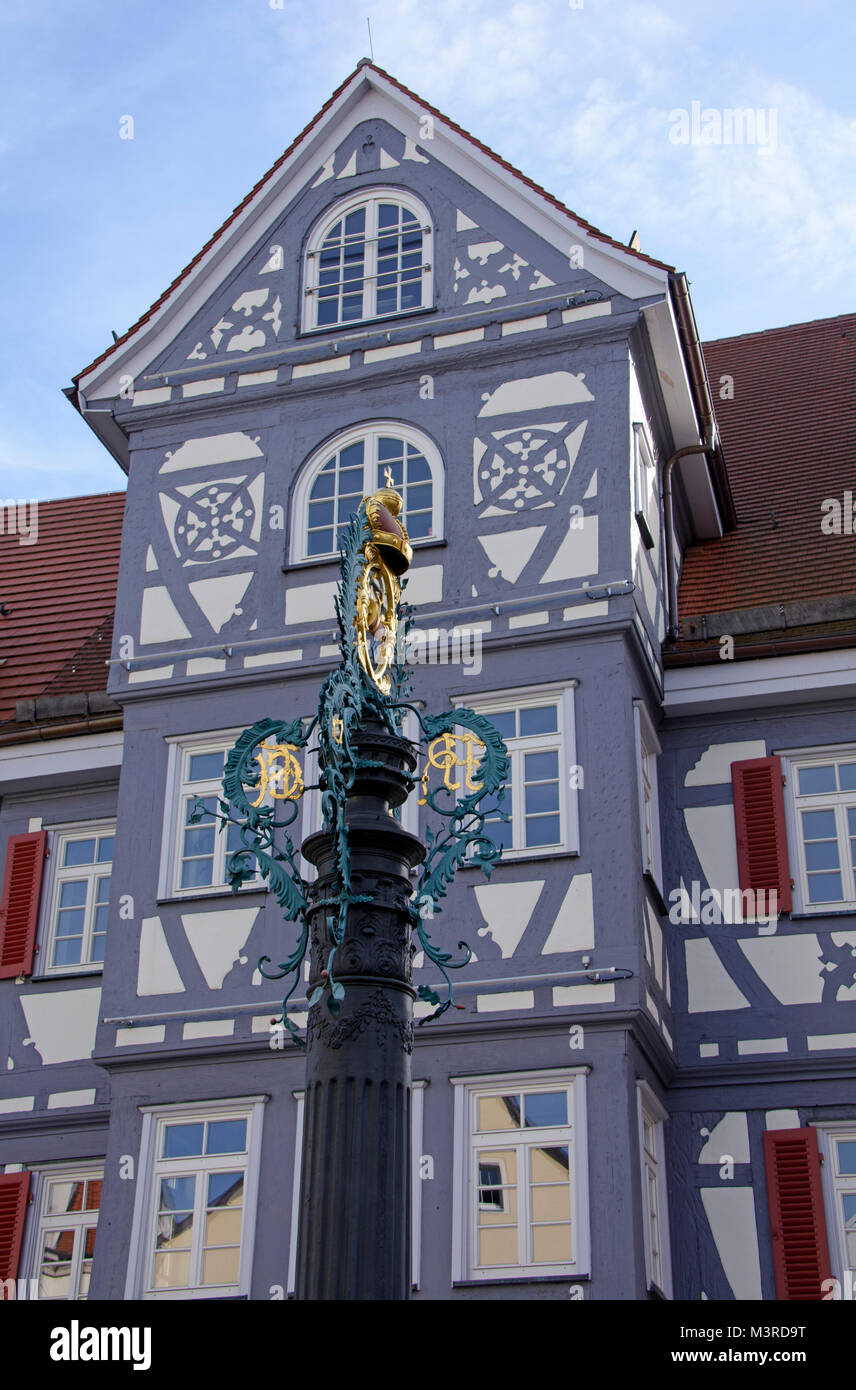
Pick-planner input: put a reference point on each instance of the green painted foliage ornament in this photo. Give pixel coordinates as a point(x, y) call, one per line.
point(263, 773)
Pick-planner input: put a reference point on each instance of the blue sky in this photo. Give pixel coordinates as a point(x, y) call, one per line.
point(579, 96)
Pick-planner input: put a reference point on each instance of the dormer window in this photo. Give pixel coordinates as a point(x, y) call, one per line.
point(369, 257)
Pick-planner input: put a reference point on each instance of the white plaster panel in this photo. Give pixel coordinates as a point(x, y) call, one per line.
point(589, 609)
point(217, 939)
point(34, 823)
point(731, 1216)
point(257, 378)
point(383, 354)
point(209, 1028)
point(157, 972)
point(10, 1104)
point(329, 364)
point(510, 551)
point(788, 965)
point(507, 909)
point(233, 447)
point(711, 829)
point(709, 986)
point(386, 160)
point(729, 1136)
point(203, 388)
point(577, 555)
point(821, 1042)
point(536, 392)
point(62, 1100)
point(466, 335)
point(312, 603)
point(539, 619)
point(146, 677)
point(652, 1007)
point(220, 598)
point(138, 1037)
point(708, 1049)
point(511, 999)
point(160, 620)
point(329, 649)
point(782, 1119)
point(273, 658)
point(565, 996)
point(586, 311)
point(656, 943)
point(667, 1035)
point(205, 665)
point(350, 168)
point(573, 929)
point(62, 1025)
point(151, 561)
point(714, 765)
point(524, 325)
point(751, 1047)
point(425, 585)
point(155, 396)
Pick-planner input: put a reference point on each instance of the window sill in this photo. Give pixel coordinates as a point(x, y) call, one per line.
point(65, 975)
point(313, 561)
point(205, 895)
point(528, 857)
point(334, 331)
point(523, 1278)
point(826, 910)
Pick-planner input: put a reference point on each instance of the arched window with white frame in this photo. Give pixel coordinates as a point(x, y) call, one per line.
point(355, 463)
point(368, 257)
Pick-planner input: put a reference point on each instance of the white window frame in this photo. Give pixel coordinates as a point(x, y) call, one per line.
point(173, 823)
point(417, 1122)
point(832, 1184)
point(648, 750)
point(644, 483)
point(649, 1107)
point(467, 1090)
point(566, 742)
point(54, 875)
point(40, 1222)
point(368, 432)
point(144, 1221)
point(370, 198)
point(792, 760)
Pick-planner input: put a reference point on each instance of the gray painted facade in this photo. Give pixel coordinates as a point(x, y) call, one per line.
point(206, 644)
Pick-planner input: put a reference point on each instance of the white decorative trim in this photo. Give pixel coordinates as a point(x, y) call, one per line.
point(767, 681)
point(23, 763)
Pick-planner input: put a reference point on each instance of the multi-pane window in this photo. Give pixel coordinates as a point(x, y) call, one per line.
point(524, 1161)
point(368, 259)
point(540, 790)
point(80, 895)
point(359, 462)
point(201, 848)
point(823, 791)
point(839, 1175)
point(654, 1200)
point(197, 1233)
point(68, 1218)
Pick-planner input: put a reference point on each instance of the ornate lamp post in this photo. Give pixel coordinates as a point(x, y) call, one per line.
point(358, 918)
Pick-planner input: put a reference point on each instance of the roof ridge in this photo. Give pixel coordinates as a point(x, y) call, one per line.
point(780, 328)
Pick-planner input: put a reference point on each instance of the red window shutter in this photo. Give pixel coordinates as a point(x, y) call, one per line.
point(14, 1190)
point(797, 1224)
point(19, 904)
point(759, 820)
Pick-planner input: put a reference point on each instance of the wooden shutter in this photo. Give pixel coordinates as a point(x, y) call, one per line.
point(19, 904)
point(797, 1223)
point(759, 820)
point(14, 1190)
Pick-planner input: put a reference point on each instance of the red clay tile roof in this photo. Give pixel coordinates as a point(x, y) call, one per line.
point(59, 593)
point(789, 438)
point(459, 130)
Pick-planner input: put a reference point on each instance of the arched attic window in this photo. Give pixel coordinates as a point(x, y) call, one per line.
point(355, 463)
point(368, 257)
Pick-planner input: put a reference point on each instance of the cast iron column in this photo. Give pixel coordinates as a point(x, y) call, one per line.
point(354, 1218)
